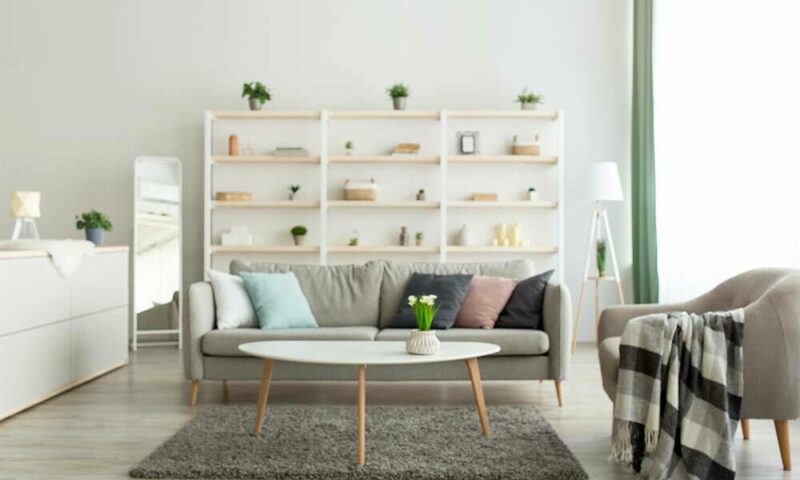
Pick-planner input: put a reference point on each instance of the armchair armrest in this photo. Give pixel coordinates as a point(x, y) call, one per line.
point(199, 319)
point(557, 318)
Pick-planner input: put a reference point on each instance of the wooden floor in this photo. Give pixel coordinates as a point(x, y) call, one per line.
point(100, 430)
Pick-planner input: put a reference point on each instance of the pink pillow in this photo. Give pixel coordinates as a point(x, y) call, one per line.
point(485, 300)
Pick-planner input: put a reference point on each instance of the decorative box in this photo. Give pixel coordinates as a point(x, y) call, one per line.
point(360, 190)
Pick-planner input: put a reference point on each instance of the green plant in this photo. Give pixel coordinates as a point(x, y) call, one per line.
point(601, 257)
point(299, 230)
point(348, 144)
point(294, 188)
point(425, 309)
point(419, 235)
point(422, 191)
point(398, 90)
point(527, 97)
point(93, 219)
point(531, 189)
point(256, 90)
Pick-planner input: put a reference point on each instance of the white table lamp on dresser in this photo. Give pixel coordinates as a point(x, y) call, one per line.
point(603, 185)
point(24, 209)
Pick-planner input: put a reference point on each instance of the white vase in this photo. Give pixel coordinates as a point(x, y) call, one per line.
point(533, 196)
point(465, 237)
point(422, 342)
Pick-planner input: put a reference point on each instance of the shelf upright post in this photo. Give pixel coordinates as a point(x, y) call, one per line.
point(207, 153)
point(560, 172)
point(323, 187)
point(443, 186)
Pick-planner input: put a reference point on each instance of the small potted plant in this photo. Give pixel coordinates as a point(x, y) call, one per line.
point(348, 148)
point(299, 234)
point(421, 195)
point(533, 195)
point(95, 224)
point(257, 94)
point(418, 238)
point(529, 101)
point(422, 340)
point(353, 241)
point(293, 189)
point(601, 258)
point(399, 94)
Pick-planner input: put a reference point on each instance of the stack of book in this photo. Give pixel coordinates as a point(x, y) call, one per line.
point(406, 149)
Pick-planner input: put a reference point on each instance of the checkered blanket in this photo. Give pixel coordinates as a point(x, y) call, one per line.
point(679, 395)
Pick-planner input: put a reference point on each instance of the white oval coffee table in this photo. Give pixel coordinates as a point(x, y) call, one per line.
point(365, 353)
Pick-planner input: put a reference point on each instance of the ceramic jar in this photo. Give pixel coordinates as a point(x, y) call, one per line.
point(422, 342)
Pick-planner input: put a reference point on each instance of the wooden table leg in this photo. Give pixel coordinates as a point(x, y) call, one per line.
point(477, 390)
point(263, 393)
point(362, 414)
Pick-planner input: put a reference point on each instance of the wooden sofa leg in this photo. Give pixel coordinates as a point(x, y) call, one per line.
point(782, 430)
point(193, 393)
point(746, 428)
point(558, 393)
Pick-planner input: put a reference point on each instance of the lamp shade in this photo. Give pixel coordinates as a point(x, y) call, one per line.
point(603, 182)
point(25, 204)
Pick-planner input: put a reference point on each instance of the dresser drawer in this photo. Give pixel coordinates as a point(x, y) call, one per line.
point(99, 283)
point(98, 342)
point(32, 294)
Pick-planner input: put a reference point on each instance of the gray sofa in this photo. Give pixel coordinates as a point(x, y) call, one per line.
point(357, 302)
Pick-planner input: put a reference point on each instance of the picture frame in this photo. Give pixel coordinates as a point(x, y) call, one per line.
point(468, 143)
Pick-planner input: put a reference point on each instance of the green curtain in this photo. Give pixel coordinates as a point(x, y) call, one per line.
point(643, 176)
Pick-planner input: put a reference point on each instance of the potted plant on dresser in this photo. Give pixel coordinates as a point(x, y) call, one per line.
point(257, 94)
point(299, 234)
point(95, 224)
point(399, 94)
point(422, 340)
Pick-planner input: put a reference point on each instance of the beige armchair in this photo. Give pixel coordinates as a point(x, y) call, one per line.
point(771, 346)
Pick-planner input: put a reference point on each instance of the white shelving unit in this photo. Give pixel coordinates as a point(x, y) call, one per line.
point(441, 162)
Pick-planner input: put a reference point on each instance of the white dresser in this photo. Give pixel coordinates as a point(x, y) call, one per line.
point(56, 333)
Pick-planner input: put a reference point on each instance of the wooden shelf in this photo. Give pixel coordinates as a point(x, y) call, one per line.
point(605, 278)
point(385, 114)
point(265, 115)
point(264, 249)
point(502, 204)
point(545, 160)
point(383, 249)
point(383, 159)
point(382, 204)
point(504, 114)
point(226, 159)
point(492, 249)
point(277, 204)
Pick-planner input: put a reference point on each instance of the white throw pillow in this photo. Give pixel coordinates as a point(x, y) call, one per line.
point(234, 309)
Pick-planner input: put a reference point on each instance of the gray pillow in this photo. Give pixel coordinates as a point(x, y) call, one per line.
point(450, 291)
point(525, 307)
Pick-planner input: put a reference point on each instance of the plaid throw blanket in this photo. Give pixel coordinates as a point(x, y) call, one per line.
point(679, 395)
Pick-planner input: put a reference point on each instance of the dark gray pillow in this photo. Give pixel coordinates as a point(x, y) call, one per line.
point(450, 291)
point(524, 308)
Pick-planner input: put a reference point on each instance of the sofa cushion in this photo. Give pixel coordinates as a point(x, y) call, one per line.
point(225, 343)
point(396, 276)
point(511, 341)
point(450, 291)
point(278, 301)
point(485, 300)
point(608, 351)
point(339, 296)
point(525, 308)
point(234, 308)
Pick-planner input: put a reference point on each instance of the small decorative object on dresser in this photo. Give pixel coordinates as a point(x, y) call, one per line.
point(293, 189)
point(348, 148)
point(533, 195)
point(299, 234)
point(234, 196)
point(95, 224)
point(233, 145)
point(526, 147)
point(468, 143)
point(399, 94)
point(237, 235)
point(529, 101)
point(422, 340)
point(421, 195)
point(257, 94)
point(24, 208)
point(360, 190)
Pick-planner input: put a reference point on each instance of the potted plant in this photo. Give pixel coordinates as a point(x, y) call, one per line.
point(529, 101)
point(95, 224)
point(422, 340)
point(293, 189)
point(257, 94)
point(353, 241)
point(299, 234)
point(533, 195)
point(348, 147)
point(419, 237)
point(399, 94)
point(601, 258)
point(421, 195)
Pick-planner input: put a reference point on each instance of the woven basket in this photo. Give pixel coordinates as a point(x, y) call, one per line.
point(360, 190)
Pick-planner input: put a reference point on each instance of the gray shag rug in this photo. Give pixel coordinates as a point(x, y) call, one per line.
point(320, 442)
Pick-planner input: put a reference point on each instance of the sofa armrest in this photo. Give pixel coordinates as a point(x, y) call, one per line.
point(557, 318)
point(198, 320)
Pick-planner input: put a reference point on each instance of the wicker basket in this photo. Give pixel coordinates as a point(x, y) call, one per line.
point(360, 190)
point(525, 147)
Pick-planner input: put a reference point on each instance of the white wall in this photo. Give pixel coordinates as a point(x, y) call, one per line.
point(86, 86)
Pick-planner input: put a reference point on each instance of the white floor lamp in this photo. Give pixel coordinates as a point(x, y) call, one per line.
point(603, 185)
point(24, 209)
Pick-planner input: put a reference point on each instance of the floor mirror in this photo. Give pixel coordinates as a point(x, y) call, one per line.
point(157, 242)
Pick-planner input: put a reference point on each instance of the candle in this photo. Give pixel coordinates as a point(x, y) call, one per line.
point(501, 234)
point(516, 235)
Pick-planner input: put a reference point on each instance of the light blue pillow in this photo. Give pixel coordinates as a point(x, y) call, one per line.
point(278, 301)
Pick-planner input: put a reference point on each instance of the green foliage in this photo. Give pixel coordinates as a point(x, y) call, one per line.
point(299, 230)
point(425, 309)
point(527, 97)
point(348, 144)
point(419, 235)
point(532, 189)
point(256, 90)
point(398, 90)
point(93, 219)
point(294, 188)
